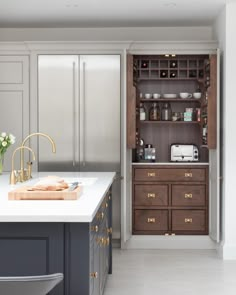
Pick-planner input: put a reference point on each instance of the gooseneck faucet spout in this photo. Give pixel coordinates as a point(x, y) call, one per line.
point(40, 134)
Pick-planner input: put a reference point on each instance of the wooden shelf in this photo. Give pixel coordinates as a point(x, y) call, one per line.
point(170, 122)
point(170, 99)
point(168, 79)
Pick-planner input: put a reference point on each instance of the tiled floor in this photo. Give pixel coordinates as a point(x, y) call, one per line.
point(170, 272)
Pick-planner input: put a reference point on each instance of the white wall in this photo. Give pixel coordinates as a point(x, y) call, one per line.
point(107, 34)
point(225, 31)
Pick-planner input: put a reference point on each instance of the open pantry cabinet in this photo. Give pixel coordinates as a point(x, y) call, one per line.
point(174, 196)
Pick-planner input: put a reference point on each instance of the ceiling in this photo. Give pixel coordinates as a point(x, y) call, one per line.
point(108, 13)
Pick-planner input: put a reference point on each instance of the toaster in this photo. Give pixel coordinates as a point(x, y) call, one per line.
point(184, 153)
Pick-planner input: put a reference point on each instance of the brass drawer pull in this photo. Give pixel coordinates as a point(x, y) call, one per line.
point(151, 220)
point(151, 174)
point(151, 196)
point(188, 220)
point(94, 275)
point(188, 174)
point(188, 196)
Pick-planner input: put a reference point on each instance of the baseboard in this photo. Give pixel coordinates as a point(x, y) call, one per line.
point(170, 242)
point(116, 243)
point(227, 252)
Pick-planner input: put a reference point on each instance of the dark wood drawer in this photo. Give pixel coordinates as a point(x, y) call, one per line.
point(148, 195)
point(188, 220)
point(188, 195)
point(151, 220)
point(169, 174)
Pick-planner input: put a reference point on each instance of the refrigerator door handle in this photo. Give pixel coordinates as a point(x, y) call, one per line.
point(74, 115)
point(84, 114)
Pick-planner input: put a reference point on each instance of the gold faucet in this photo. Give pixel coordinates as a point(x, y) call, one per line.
point(22, 154)
point(16, 176)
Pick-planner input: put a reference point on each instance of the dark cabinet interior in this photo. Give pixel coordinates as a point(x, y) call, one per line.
point(166, 77)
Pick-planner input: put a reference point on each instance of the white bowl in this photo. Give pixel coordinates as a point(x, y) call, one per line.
point(156, 95)
point(147, 95)
point(170, 95)
point(197, 95)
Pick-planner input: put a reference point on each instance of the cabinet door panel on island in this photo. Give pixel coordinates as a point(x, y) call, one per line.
point(28, 249)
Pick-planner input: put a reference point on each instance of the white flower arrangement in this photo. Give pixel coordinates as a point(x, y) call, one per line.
point(5, 141)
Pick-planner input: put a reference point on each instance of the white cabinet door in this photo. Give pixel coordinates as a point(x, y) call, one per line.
point(14, 101)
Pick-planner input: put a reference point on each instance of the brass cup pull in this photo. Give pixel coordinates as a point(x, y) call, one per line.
point(188, 196)
point(188, 174)
point(151, 196)
point(151, 174)
point(94, 275)
point(188, 220)
point(151, 220)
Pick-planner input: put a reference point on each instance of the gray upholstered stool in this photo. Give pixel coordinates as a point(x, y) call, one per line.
point(34, 285)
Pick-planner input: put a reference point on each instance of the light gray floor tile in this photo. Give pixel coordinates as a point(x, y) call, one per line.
point(170, 272)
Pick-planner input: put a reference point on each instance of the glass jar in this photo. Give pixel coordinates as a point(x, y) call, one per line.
point(166, 112)
point(142, 112)
point(154, 113)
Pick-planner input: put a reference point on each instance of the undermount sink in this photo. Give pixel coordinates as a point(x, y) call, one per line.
point(84, 181)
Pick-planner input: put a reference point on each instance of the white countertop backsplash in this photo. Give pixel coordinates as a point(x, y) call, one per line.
point(94, 187)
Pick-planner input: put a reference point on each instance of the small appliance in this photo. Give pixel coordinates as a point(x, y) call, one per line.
point(184, 153)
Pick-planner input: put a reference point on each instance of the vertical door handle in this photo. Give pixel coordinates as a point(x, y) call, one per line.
point(73, 111)
point(84, 114)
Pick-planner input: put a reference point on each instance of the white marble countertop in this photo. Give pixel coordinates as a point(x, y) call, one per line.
point(94, 187)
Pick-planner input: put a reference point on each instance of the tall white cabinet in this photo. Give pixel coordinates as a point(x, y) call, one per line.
point(14, 100)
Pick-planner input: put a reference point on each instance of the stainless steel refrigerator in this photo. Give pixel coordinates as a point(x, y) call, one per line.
point(79, 107)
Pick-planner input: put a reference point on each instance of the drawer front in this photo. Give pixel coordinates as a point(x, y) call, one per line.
point(188, 195)
point(169, 174)
point(151, 220)
point(189, 220)
point(147, 195)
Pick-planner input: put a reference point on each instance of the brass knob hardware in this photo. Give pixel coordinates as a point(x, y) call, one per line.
point(109, 230)
point(151, 196)
point(151, 220)
point(104, 241)
point(105, 205)
point(107, 241)
point(188, 196)
point(188, 220)
point(188, 174)
point(100, 216)
point(95, 228)
point(94, 275)
point(151, 174)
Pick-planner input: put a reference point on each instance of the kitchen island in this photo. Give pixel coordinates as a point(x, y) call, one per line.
point(72, 237)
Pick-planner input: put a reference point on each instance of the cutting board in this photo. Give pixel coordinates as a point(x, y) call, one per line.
point(23, 193)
